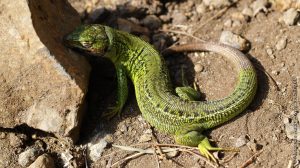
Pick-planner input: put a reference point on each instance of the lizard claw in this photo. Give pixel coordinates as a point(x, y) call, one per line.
point(204, 148)
point(112, 112)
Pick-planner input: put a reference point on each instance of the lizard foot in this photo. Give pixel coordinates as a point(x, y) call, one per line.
point(112, 111)
point(204, 148)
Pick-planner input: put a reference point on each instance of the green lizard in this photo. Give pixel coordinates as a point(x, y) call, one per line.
point(181, 116)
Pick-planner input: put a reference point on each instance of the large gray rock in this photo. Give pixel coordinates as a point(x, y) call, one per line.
point(42, 83)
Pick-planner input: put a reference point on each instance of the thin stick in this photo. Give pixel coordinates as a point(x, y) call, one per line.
point(158, 147)
point(168, 145)
point(150, 151)
point(109, 162)
point(251, 159)
point(127, 158)
point(156, 158)
point(200, 157)
point(229, 158)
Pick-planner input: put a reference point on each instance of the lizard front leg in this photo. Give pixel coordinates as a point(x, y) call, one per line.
point(122, 93)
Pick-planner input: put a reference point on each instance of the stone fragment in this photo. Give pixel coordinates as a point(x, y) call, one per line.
point(2, 135)
point(234, 40)
point(198, 68)
point(241, 141)
point(96, 148)
point(291, 17)
point(247, 11)
point(151, 21)
point(178, 18)
point(228, 23)
point(216, 4)
point(16, 140)
point(281, 44)
point(43, 161)
point(258, 6)
point(172, 154)
point(292, 128)
point(29, 155)
point(130, 27)
point(145, 138)
point(270, 52)
point(42, 83)
point(201, 8)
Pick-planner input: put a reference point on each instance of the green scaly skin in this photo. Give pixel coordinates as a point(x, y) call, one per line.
point(160, 106)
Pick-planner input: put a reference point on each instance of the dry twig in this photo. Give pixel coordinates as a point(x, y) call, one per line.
point(251, 159)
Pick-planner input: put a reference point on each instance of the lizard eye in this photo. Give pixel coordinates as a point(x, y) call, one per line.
point(86, 44)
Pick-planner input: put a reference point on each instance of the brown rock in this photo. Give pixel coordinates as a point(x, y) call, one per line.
point(16, 140)
point(42, 82)
point(131, 27)
point(29, 155)
point(234, 40)
point(43, 161)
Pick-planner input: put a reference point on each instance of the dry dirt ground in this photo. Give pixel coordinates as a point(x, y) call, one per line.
point(261, 126)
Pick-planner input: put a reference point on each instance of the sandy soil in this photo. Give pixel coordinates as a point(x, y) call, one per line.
point(261, 126)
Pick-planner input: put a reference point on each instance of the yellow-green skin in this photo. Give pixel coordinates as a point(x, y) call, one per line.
point(159, 104)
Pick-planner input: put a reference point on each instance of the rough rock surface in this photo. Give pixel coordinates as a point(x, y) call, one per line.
point(43, 161)
point(42, 83)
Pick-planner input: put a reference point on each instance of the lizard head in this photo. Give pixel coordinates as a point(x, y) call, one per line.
point(88, 38)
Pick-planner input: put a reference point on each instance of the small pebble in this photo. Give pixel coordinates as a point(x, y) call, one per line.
point(95, 149)
point(241, 141)
point(234, 40)
point(96, 14)
point(291, 17)
point(16, 140)
point(216, 4)
point(259, 5)
point(28, 156)
point(2, 135)
point(216, 155)
point(178, 18)
point(165, 18)
point(281, 44)
point(290, 128)
point(148, 131)
point(236, 23)
point(198, 68)
point(123, 128)
point(43, 161)
point(270, 53)
point(172, 154)
point(160, 41)
point(201, 8)
point(131, 27)
point(228, 23)
point(152, 22)
point(145, 138)
point(238, 16)
point(251, 145)
point(275, 72)
point(66, 157)
point(247, 11)
point(109, 138)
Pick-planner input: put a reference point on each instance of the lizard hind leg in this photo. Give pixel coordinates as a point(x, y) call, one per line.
point(186, 92)
point(196, 138)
